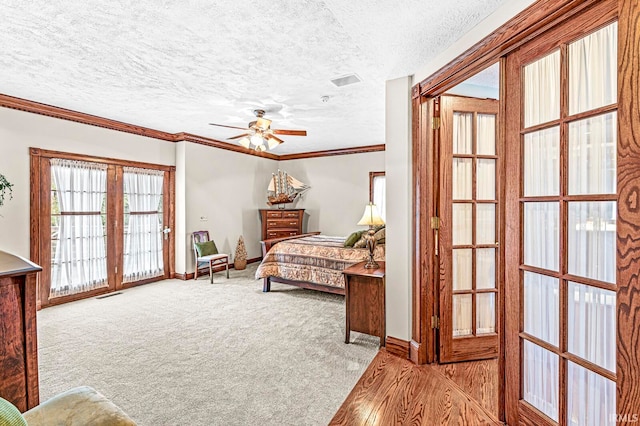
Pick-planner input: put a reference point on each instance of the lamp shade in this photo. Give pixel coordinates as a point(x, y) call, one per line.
point(371, 216)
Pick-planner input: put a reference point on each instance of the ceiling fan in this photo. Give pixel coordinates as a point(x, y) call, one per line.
point(260, 134)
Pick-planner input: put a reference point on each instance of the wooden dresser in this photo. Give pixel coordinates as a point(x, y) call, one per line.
point(18, 332)
point(281, 223)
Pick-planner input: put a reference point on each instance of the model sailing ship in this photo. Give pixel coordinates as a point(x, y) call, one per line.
point(283, 189)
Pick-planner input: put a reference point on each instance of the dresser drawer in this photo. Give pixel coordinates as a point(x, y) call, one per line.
point(282, 223)
point(280, 234)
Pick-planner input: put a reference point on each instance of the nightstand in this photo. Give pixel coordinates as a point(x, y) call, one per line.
point(364, 300)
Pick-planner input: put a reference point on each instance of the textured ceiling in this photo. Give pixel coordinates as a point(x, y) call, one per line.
point(178, 65)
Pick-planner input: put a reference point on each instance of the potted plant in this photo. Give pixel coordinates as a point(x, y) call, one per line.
point(6, 188)
point(240, 259)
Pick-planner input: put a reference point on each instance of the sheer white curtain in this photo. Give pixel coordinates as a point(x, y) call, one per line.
point(79, 259)
point(143, 256)
point(380, 195)
point(593, 70)
point(542, 90)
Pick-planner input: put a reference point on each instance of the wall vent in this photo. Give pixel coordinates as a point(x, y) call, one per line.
point(345, 80)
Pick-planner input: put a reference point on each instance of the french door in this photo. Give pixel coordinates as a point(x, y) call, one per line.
point(468, 228)
point(561, 207)
point(99, 224)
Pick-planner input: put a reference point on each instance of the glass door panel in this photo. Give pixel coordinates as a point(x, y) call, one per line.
point(143, 256)
point(568, 211)
point(78, 231)
point(593, 70)
point(541, 307)
point(542, 90)
point(469, 229)
point(540, 379)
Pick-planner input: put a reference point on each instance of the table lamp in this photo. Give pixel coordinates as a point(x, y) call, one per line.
point(371, 217)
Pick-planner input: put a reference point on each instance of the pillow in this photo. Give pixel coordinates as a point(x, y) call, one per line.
point(362, 242)
point(379, 236)
point(10, 415)
point(207, 248)
point(353, 238)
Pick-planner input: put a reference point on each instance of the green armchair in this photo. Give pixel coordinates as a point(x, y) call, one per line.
point(79, 406)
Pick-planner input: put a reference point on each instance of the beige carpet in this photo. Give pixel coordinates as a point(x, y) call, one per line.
point(193, 353)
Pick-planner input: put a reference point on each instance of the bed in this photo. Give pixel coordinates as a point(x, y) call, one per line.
point(310, 261)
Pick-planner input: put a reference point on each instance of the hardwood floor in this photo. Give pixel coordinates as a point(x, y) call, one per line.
point(478, 379)
point(394, 391)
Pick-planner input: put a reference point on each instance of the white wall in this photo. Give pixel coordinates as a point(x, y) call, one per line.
point(21, 130)
point(227, 188)
point(339, 189)
point(399, 207)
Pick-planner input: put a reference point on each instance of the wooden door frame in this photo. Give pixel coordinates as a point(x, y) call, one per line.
point(40, 251)
point(533, 21)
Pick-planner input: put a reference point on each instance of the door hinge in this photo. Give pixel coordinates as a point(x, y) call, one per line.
point(435, 222)
point(116, 269)
point(435, 321)
point(436, 123)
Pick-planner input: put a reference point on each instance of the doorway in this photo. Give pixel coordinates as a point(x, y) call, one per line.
point(98, 225)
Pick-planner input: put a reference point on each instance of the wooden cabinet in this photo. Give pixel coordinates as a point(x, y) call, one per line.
point(18, 332)
point(281, 223)
point(365, 301)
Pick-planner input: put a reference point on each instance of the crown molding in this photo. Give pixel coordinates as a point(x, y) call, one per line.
point(332, 152)
point(25, 105)
point(80, 117)
point(188, 137)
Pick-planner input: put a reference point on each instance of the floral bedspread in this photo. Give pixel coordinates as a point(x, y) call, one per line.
point(318, 259)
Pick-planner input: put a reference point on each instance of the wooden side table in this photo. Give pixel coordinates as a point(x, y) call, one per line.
point(18, 332)
point(364, 300)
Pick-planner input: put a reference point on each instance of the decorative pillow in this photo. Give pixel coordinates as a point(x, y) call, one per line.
point(362, 242)
point(379, 236)
point(10, 415)
point(378, 227)
point(353, 238)
point(207, 248)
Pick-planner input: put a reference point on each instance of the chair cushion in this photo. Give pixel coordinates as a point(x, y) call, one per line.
point(207, 248)
point(213, 257)
point(10, 415)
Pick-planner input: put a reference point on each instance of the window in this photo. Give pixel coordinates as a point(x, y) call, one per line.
point(377, 192)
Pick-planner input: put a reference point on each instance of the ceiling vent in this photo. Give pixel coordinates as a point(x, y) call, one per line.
point(346, 80)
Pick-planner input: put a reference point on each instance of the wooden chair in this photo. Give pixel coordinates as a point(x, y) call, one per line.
point(212, 259)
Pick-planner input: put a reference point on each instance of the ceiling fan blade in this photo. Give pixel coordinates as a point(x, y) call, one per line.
point(275, 138)
point(290, 132)
point(228, 127)
point(239, 136)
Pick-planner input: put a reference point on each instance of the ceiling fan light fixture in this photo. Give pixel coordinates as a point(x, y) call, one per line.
point(263, 123)
point(272, 142)
point(259, 134)
point(256, 139)
point(246, 142)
